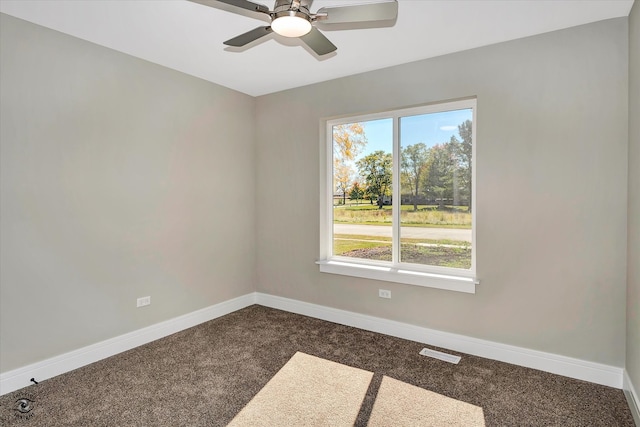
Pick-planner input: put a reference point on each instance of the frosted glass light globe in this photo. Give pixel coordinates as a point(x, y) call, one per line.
point(291, 26)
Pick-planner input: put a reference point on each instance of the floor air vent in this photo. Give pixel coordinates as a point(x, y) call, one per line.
point(440, 355)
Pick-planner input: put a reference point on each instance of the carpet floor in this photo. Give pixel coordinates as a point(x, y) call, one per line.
point(205, 375)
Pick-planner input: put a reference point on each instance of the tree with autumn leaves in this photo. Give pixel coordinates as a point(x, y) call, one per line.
point(348, 140)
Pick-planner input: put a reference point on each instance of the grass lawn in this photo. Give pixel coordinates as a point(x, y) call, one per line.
point(425, 216)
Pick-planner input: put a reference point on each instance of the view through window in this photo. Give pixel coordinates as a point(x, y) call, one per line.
point(402, 187)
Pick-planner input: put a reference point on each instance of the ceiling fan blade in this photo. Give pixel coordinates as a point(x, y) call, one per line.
point(244, 4)
point(318, 42)
point(249, 36)
point(384, 11)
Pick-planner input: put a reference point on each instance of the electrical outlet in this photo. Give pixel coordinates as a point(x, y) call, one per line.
point(141, 302)
point(383, 293)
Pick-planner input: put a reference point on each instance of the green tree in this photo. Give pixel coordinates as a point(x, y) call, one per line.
point(356, 192)
point(376, 170)
point(449, 168)
point(465, 152)
point(414, 166)
point(440, 176)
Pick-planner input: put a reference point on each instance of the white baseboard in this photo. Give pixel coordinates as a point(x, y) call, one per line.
point(574, 368)
point(561, 365)
point(632, 398)
point(18, 378)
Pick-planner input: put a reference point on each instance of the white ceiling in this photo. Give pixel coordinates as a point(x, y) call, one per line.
point(188, 37)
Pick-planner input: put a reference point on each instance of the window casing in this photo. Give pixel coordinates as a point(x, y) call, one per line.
point(432, 178)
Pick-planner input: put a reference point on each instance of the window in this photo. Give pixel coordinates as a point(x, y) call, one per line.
point(398, 196)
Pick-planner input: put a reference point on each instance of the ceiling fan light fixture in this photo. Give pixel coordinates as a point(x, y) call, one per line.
point(293, 18)
point(291, 24)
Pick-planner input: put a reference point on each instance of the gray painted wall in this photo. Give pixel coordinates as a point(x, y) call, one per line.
point(552, 141)
point(633, 256)
point(115, 185)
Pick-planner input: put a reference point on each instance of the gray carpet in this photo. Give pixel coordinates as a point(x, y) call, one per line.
point(205, 375)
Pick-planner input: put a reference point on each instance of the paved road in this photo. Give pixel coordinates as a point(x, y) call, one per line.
point(409, 232)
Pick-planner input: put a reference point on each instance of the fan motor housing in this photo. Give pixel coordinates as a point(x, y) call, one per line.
point(288, 6)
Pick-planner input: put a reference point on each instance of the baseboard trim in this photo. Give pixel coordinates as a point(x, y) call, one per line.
point(19, 378)
point(570, 367)
point(632, 397)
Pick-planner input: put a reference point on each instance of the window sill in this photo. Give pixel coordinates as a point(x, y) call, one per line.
point(409, 277)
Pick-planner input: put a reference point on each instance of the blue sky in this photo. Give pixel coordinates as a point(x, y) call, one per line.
point(432, 129)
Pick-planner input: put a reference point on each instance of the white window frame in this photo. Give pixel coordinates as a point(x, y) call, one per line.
point(454, 279)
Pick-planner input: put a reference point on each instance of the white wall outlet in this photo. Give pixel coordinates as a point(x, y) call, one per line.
point(141, 302)
point(383, 293)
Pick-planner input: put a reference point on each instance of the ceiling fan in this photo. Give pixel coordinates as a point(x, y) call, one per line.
point(292, 18)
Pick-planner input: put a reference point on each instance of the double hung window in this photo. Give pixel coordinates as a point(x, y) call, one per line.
point(398, 196)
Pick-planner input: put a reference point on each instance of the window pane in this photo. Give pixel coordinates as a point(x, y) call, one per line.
point(362, 196)
point(435, 168)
